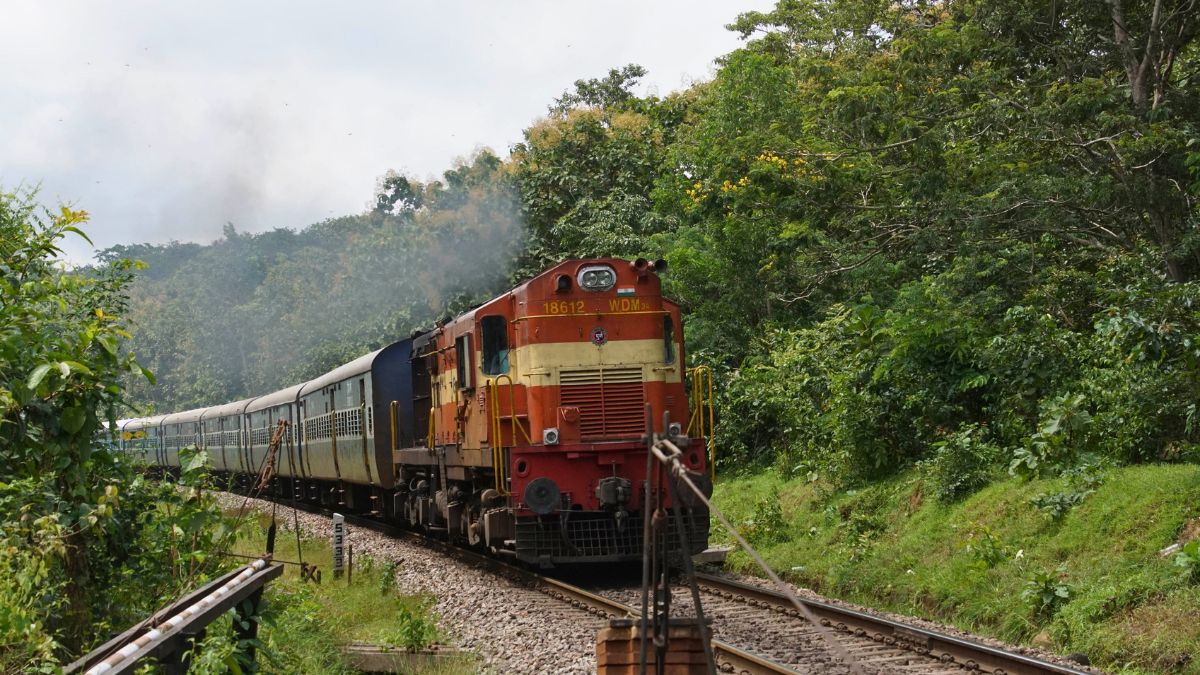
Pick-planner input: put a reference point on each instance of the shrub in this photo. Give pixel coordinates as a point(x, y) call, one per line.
point(1082, 481)
point(415, 628)
point(767, 525)
point(1058, 441)
point(1188, 558)
point(1046, 592)
point(986, 548)
point(962, 463)
point(387, 581)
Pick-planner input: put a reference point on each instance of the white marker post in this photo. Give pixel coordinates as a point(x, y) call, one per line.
point(339, 544)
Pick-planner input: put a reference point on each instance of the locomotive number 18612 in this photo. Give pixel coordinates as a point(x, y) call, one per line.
point(563, 307)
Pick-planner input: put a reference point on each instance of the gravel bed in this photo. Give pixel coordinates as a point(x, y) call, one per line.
point(513, 628)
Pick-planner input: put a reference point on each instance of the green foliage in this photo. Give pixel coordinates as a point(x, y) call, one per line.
point(767, 525)
point(1129, 606)
point(986, 549)
point(1081, 481)
point(217, 653)
point(1188, 559)
point(82, 546)
point(305, 624)
point(961, 463)
point(1056, 444)
point(612, 91)
point(387, 580)
point(1046, 592)
point(414, 628)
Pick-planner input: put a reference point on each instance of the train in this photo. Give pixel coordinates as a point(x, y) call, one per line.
point(520, 426)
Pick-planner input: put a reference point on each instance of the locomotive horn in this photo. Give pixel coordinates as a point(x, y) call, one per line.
point(640, 264)
point(660, 265)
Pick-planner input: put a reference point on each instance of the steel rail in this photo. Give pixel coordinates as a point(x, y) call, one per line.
point(948, 648)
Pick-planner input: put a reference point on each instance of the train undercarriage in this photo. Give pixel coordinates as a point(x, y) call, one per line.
point(475, 515)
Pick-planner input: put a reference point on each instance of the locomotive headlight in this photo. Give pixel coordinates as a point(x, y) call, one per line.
point(597, 278)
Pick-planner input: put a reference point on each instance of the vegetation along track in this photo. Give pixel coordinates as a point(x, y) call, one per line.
point(773, 636)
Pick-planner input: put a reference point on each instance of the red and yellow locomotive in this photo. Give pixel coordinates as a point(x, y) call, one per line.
point(538, 411)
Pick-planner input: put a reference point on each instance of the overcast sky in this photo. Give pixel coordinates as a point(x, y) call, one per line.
point(167, 119)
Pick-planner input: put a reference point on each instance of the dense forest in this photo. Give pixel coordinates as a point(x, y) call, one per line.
point(957, 233)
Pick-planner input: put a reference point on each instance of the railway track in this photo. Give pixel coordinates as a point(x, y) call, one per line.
point(758, 631)
point(878, 643)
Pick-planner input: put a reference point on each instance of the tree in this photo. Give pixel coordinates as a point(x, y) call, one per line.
point(613, 91)
point(397, 194)
point(61, 359)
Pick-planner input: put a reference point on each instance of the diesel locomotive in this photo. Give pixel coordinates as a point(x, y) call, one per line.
point(519, 426)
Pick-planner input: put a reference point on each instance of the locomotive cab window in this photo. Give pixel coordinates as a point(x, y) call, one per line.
point(462, 358)
point(494, 331)
point(668, 340)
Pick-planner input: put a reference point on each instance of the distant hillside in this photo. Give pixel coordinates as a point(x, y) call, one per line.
point(251, 313)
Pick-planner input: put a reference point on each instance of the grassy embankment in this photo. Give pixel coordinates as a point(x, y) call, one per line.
point(305, 623)
point(890, 546)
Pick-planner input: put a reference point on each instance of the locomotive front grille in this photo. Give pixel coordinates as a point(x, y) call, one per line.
point(596, 536)
point(611, 401)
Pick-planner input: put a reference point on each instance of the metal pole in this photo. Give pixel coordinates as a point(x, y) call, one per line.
point(647, 500)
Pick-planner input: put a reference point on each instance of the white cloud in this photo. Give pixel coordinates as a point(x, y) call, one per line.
point(165, 120)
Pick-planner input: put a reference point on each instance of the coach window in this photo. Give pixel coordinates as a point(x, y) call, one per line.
point(668, 340)
point(462, 358)
point(495, 344)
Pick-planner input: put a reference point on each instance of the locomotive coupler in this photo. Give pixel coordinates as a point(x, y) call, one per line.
point(614, 491)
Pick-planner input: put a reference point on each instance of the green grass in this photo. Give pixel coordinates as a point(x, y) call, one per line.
point(305, 624)
point(890, 546)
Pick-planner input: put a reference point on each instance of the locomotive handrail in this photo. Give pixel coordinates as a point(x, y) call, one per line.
point(499, 464)
point(512, 406)
point(432, 425)
point(578, 314)
point(702, 400)
point(392, 407)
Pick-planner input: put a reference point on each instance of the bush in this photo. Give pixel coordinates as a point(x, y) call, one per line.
point(1046, 592)
point(961, 464)
point(1188, 559)
point(986, 549)
point(415, 629)
point(87, 547)
point(767, 525)
point(1061, 437)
